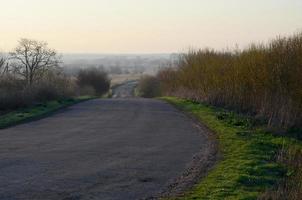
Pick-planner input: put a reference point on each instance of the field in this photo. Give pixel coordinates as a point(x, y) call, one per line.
point(122, 78)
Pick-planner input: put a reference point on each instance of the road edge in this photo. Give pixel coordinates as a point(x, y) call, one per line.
point(40, 113)
point(202, 163)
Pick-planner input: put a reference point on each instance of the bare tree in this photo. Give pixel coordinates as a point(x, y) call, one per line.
point(3, 66)
point(2, 62)
point(32, 59)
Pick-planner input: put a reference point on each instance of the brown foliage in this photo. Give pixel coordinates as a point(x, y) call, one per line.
point(263, 80)
point(148, 87)
point(15, 93)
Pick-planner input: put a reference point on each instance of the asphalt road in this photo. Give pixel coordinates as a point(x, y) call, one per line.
point(125, 90)
point(111, 149)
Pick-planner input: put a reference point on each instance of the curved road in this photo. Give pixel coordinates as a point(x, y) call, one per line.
point(110, 149)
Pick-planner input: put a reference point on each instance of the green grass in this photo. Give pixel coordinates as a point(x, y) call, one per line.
point(248, 165)
point(38, 111)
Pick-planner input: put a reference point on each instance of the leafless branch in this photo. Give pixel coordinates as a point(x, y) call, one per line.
point(32, 59)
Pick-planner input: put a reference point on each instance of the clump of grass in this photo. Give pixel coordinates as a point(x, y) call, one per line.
point(290, 188)
point(248, 167)
point(234, 119)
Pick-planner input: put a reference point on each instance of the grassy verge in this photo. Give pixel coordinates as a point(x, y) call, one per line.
point(249, 166)
point(38, 111)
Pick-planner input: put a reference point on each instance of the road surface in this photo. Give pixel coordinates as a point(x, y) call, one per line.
point(126, 90)
point(110, 149)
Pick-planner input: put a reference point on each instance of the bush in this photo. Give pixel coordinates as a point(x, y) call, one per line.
point(54, 86)
point(15, 93)
point(262, 80)
point(12, 93)
point(93, 78)
point(148, 87)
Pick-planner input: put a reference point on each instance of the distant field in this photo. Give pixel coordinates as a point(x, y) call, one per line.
point(118, 79)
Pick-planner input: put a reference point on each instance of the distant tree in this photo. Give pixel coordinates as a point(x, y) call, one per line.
point(31, 59)
point(94, 78)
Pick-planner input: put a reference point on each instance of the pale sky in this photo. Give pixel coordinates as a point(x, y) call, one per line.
point(146, 26)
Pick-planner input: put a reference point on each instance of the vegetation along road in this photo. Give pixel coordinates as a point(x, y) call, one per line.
point(101, 149)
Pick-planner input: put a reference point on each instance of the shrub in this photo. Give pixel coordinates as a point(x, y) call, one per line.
point(15, 93)
point(12, 93)
point(93, 78)
point(262, 80)
point(148, 87)
point(54, 86)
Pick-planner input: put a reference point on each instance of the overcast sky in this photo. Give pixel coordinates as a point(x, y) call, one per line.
point(146, 26)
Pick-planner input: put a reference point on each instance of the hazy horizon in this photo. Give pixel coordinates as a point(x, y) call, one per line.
point(145, 26)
